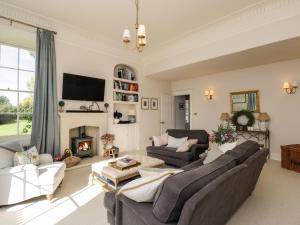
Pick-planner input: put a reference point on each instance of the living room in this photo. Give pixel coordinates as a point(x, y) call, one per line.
point(219, 54)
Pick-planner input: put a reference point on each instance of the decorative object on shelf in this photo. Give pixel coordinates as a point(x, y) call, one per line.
point(145, 104)
point(140, 32)
point(132, 116)
point(244, 100)
point(108, 145)
point(106, 105)
point(224, 137)
point(117, 117)
point(83, 108)
point(181, 106)
point(263, 119)
point(290, 88)
point(225, 118)
point(61, 106)
point(154, 104)
point(92, 105)
point(243, 119)
point(209, 94)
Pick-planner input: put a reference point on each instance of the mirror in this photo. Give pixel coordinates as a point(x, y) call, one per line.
point(244, 100)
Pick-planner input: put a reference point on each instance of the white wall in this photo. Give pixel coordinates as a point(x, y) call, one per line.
point(268, 79)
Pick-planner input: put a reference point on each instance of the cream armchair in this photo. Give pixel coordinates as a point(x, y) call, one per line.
point(23, 182)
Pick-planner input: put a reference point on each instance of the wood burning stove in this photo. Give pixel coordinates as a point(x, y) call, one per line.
point(82, 145)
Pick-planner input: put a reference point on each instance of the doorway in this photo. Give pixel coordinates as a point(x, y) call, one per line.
point(182, 112)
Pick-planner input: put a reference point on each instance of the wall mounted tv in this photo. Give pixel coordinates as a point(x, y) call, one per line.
point(76, 87)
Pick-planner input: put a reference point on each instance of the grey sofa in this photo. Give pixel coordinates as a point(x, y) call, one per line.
point(179, 159)
point(201, 195)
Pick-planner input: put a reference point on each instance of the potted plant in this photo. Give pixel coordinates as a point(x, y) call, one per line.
point(224, 137)
point(61, 105)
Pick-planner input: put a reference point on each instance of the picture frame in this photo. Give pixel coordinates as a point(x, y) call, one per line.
point(145, 103)
point(154, 103)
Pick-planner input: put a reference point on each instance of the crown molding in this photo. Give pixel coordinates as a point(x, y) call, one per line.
point(249, 19)
point(72, 35)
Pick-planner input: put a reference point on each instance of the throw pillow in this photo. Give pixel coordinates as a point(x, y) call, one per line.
point(186, 145)
point(6, 158)
point(176, 142)
point(31, 156)
point(145, 188)
point(160, 140)
point(21, 158)
point(146, 172)
point(212, 155)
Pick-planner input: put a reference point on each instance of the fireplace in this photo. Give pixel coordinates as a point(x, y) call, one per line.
point(82, 145)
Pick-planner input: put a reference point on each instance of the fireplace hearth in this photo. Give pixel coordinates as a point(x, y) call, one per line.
point(82, 145)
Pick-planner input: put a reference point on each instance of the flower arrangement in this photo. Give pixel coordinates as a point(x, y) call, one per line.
point(223, 135)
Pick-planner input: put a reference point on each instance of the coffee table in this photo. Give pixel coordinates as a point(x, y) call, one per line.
point(112, 176)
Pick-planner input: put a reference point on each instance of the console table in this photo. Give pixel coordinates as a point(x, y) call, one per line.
point(259, 135)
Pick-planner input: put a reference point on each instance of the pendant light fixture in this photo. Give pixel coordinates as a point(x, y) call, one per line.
point(140, 32)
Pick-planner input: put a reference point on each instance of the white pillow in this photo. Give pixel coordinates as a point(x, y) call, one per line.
point(144, 189)
point(6, 158)
point(33, 155)
point(161, 140)
point(176, 142)
point(146, 172)
point(186, 145)
point(212, 155)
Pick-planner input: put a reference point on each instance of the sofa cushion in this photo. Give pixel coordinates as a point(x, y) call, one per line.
point(141, 212)
point(170, 152)
point(176, 190)
point(110, 201)
point(6, 158)
point(50, 173)
point(243, 151)
point(201, 135)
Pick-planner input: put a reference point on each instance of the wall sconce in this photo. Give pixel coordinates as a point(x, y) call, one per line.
point(209, 94)
point(290, 88)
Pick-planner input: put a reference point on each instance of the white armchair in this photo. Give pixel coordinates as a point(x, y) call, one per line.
point(23, 182)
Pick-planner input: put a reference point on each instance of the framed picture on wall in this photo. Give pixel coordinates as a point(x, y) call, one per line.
point(145, 104)
point(154, 103)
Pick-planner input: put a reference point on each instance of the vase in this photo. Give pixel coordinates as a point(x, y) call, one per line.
point(227, 146)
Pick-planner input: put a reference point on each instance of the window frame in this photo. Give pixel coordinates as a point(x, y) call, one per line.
point(18, 91)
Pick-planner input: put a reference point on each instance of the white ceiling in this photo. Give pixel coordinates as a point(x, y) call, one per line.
point(271, 53)
point(164, 19)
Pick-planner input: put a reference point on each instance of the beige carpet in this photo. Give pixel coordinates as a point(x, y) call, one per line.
point(275, 202)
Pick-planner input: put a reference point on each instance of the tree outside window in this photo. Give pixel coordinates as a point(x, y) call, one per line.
point(17, 74)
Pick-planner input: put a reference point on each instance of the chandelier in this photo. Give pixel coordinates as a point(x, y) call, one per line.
point(140, 32)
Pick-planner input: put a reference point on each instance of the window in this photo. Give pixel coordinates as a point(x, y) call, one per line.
point(17, 74)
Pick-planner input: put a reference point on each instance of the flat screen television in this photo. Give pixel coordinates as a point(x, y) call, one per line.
point(82, 88)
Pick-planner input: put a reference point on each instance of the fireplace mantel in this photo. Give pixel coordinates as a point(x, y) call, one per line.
point(69, 121)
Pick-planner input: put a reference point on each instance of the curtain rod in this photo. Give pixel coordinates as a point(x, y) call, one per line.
point(26, 24)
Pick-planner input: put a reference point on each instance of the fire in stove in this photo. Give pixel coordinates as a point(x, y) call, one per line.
point(84, 146)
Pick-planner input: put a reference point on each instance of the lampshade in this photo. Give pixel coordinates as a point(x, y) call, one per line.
point(131, 112)
point(263, 117)
point(141, 33)
point(126, 35)
point(142, 41)
point(286, 85)
point(225, 116)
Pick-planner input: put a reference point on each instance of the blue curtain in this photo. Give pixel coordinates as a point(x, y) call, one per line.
point(45, 132)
